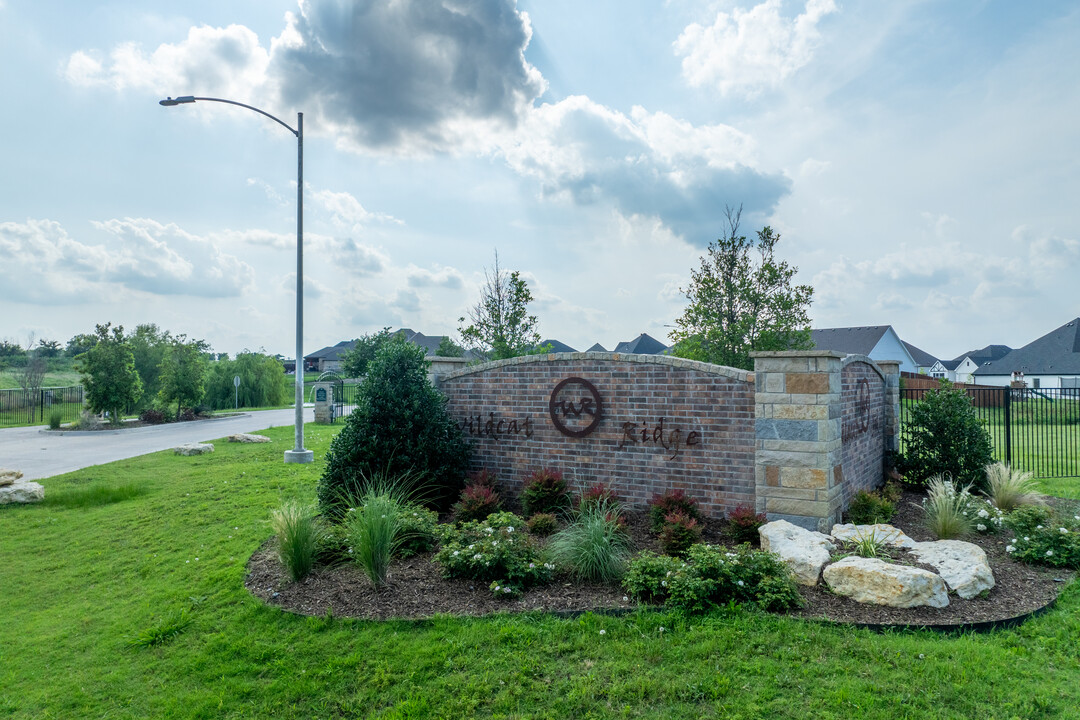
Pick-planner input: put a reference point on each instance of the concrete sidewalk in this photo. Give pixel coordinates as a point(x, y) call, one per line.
point(41, 453)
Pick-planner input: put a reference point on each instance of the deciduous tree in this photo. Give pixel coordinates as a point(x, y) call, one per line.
point(183, 373)
point(500, 324)
point(354, 363)
point(740, 304)
point(109, 377)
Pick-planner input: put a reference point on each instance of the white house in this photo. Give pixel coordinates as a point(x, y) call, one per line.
point(1052, 361)
point(878, 342)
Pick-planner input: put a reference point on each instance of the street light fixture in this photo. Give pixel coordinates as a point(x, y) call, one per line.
point(298, 454)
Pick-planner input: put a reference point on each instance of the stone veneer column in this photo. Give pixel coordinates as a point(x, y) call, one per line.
point(798, 447)
point(891, 368)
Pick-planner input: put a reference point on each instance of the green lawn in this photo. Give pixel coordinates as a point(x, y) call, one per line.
point(79, 580)
point(59, 378)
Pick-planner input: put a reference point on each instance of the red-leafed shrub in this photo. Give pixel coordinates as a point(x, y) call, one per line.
point(476, 503)
point(673, 500)
point(743, 524)
point(545, 491)
point(680, 531)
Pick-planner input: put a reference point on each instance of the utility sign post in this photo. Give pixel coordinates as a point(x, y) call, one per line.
point(236, 399)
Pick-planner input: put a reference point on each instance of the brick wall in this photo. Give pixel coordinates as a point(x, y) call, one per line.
point(864, 413)
point(703, 414)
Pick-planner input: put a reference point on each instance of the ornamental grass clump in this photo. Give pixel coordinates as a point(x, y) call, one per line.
point(496, 551)
point(300, 538)
point(946, 508)
point(712, 577)
point(1008, 488)
point(594, 546)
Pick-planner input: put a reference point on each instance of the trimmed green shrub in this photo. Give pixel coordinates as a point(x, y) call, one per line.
point(493, 551)
point(869, 508)
point(542, 524)
point(673, 500)
point(743, 523)
point(944, 435)
point(595, 546)
point(712, 577)
point(417, 530)
point(400, 425)
point(1044, 537)
point(545, 491)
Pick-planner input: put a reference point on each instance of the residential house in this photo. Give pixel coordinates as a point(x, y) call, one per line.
point(924, 361)
point(1052, 361)
point(877, 342)
point(643, 344)
point(556, 346)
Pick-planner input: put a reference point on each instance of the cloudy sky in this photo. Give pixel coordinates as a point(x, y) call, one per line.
point(920, 160)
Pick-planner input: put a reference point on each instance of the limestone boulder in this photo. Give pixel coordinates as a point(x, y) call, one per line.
point(8, 477)
point(805, 552)
point(887, 534)
point(873, 581)
point(21, 491)
point(247, 438)
point(193, 449)
point(962, 565)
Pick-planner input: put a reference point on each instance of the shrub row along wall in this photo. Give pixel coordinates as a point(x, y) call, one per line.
point(641, 424)
point(796, 438)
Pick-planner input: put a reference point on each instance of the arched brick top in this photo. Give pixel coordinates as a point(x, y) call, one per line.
point(674, 362)
point(863, 359)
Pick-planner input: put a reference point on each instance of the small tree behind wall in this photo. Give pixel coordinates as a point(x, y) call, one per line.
point(739, 304)
point(500, 325)
point(943, 434)
point(110, 380)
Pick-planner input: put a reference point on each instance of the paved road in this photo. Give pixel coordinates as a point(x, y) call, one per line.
point(40, 453)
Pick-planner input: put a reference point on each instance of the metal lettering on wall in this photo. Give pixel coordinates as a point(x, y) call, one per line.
point(496, 427)
point(861, 421)
point(575, 407)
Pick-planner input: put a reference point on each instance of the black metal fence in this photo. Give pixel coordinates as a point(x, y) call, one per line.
point(1031, 429)
point(21, 407)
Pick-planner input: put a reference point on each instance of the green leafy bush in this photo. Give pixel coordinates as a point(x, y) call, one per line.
point(400, 425)
point(1044, 537)
point(743, 523)
point(418, 530)
point(493, 551)
point(542, 524)
point(673, 500)
point(545, 491)
point(476, 503)
point(944, 435)
point(300, 536)
point(869, 508)
point(679, 532)
point(712, 577)
point(594, 546)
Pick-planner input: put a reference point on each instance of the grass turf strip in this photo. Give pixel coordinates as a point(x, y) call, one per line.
point(82, 582)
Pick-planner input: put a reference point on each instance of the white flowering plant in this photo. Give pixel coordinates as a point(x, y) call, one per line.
point(496, 550)
point(713, 576)
point(1044, 537)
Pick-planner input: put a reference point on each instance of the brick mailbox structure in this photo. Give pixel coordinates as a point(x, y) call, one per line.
point(645, 424)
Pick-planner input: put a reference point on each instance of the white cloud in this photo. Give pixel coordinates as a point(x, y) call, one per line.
point(746, 52)
point(446, 277)
point(347, 211)
point(139, 255)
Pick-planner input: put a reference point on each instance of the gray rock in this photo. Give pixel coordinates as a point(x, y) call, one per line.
point(887, 534)
point(21, 492)
point(962, 565)
point(872, 581)
point(805, 552)
point(247, 438)
point(193, 449)
point(8, 477)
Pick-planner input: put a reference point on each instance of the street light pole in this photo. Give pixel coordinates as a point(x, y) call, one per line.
point(298, 454)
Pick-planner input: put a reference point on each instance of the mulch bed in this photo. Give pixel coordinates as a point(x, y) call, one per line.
point(416, 588)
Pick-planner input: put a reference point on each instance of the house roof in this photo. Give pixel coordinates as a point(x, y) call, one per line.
point(557, 346)
point(1056, 353)
point(986, 354)
point(597, 347)
point(849, 340)
point(921, 357)
point(643, 344)
point(952, 364)
point(332, 352)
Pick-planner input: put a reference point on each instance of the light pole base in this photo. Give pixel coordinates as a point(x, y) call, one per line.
point(299, 456)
